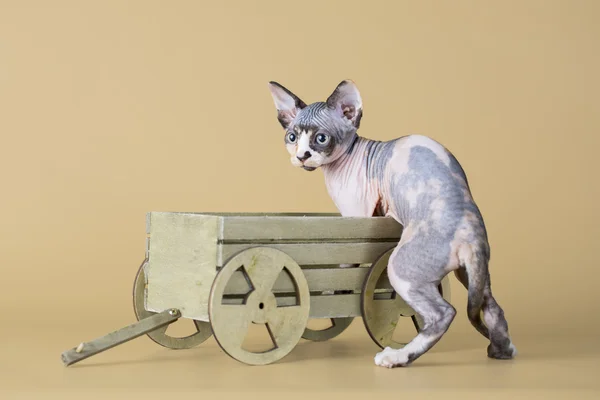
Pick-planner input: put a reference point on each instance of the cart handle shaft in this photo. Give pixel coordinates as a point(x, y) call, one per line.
point(142, 327)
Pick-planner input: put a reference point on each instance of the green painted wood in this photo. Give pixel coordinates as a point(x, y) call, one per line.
point(159, 335)
point(301, 228)
point(185, 250)
point(230, 322)
point(319, 280)
point(181, 263)
point(317, 253)
point(142, 327)
point(322, 306)
point(335, 306)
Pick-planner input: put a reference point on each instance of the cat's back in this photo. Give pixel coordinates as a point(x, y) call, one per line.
point(422, 175)
point(423, 155)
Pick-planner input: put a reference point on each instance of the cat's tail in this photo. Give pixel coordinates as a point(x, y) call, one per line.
point(476, 263)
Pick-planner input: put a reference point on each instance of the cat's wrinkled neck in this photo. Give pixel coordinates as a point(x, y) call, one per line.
point(349, 165)
point(350, 157)
point(348, 183)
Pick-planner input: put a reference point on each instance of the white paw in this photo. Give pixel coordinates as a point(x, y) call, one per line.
point(390, 358)
point(513, 348)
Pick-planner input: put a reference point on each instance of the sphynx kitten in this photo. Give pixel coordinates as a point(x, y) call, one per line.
point(419, 183)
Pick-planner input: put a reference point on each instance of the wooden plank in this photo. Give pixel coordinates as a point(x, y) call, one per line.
point(276, 227)
point(335, 306)
point(253, 214)
point(115, 338)
point(330, 306)
point(319, 280)
point(181, 263)
point(316, 253)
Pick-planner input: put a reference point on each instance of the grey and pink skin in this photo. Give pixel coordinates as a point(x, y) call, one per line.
point(420, 184)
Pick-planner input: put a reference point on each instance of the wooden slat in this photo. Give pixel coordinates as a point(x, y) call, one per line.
point(335, 306)
point(331, 306)
point(275, 227)
point(250, 214)
point(317, 253)
point(319, 280)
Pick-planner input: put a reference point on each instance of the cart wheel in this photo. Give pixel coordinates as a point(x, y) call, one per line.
point(338, 325)
point(159, 336)
point(382, 307)
point(261, 267)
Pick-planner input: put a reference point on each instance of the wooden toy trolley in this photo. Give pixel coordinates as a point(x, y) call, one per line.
point(225, 271)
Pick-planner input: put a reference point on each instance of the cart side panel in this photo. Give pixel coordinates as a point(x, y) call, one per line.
point(181, 262)
point(309, 227)
point(311, 239)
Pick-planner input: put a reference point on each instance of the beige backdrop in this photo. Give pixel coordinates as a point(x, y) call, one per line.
point(110, 109)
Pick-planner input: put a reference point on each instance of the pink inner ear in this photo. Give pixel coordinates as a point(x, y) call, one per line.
point(348, 111)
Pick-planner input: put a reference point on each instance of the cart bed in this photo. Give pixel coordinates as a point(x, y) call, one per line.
point(185, 251)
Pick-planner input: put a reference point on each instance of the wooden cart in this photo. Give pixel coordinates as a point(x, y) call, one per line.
point(225, 271)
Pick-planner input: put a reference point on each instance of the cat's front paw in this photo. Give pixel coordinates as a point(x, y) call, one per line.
point(390, 358)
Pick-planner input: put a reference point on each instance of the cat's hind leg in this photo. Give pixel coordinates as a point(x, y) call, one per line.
point(501, 346)
point(474, 318)
point(416, 278)
point(475, 259)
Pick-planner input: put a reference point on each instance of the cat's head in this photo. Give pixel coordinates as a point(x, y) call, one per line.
point(319, 133)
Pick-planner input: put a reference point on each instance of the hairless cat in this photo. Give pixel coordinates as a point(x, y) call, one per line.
point(420, 184)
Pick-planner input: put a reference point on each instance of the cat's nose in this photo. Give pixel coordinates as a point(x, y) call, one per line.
point(305, 157)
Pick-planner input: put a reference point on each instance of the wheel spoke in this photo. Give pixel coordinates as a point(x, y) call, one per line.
point(236, 319)
point(383, 318)
point(263, 279)
point(200, 325)
point(282, 321)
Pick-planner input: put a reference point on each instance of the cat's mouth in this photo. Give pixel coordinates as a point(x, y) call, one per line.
point(306, 168)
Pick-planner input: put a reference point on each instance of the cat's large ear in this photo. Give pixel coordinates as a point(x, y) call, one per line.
point(286, 102)
point(346, 100)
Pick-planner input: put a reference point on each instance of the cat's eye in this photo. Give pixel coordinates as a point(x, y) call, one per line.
point(322, 139)
point(291, 137)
